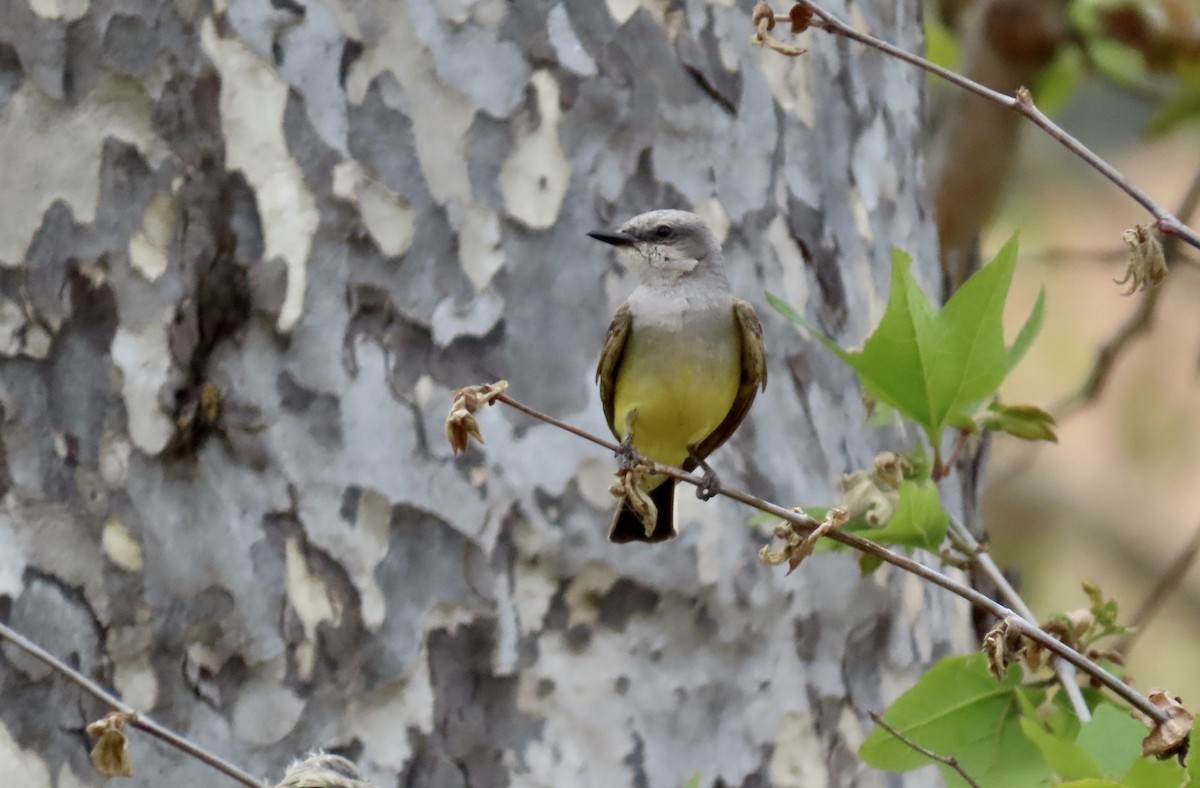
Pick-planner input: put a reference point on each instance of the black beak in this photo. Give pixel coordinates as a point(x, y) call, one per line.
point(616, 239)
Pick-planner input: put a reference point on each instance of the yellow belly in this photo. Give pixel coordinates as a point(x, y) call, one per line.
point(679, 398)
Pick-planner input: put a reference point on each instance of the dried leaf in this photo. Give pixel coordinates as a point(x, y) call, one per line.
point(461, 425)
point(1147, 266)
point(1170, 737)
point(110, 755)
point(629, 489)
point(797, 545)
point(1003, 644)
point(763, 16)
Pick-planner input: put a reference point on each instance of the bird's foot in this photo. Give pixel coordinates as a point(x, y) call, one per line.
point(627, 453)
point(710, 483)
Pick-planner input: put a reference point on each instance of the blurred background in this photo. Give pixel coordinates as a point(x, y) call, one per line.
point(1115, 501)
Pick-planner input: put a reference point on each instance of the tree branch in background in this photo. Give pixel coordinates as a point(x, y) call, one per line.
point(1134, 326)
point(948, 760)
point(804, 525)
point(1168, 583)
point(1022, 103)
point(127, 714)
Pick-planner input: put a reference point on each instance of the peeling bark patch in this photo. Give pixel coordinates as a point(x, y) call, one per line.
point(253, 100)
point(65, 163)
point(535, 176)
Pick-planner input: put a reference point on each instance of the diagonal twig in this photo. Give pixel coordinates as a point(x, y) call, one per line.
point(1027, 627)
point(948, 760)
point(136, 719)
point(1167, 584)
point(1165, 222)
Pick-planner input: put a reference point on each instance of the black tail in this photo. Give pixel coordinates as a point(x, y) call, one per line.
point(627, 527)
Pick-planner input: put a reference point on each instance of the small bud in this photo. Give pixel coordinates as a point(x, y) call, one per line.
point(110, 755)
point(461, 425)
point(801, 17)
point(1147, 266)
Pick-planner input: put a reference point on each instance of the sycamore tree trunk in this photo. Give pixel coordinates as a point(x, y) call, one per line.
point(248, 247)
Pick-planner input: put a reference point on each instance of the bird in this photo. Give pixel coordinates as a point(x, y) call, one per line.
point(682, 361)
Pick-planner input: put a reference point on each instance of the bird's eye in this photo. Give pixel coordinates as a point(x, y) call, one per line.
point(663, 231)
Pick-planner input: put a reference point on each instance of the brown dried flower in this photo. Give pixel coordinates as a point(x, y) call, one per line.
point(110, 755)
point(460, 422)
point(1147, 265)
point(1003, 644)
point(1170, 737)
point(796, 545)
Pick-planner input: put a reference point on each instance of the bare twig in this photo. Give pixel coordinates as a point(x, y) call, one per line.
point(983, 560)
point(1164, 221)
point(948, 760)
point(1167, 585)
point(805, 524)
point(136, 719)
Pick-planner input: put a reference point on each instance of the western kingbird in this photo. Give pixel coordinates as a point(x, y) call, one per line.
point(682, 361)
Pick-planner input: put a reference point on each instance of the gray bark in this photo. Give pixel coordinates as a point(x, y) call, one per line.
point(248, 250)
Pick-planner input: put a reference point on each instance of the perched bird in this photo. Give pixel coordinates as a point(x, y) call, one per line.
point(682, 361)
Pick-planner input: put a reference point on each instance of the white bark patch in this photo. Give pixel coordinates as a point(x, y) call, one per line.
point(121, 546)
point(265, 713)
point(148, 247)
point(387, 215)
point(144, 360)
point(253, 99)
point(534, 178)
point(441, 116)
point(712, 212)
point(798, 760)
point(566, 44)
point(21, 767)
point(479, 249)
point(66, 10)
point(382, 719)
point(475, 319)
point(791, 264)
point(12, 561)
point(18, 336)
point(788, 78)
point(373, 521)
point(312, 602)
point(137, 681)
point(65, 162)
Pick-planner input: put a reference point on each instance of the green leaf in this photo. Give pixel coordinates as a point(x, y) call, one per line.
point(1153, 773)
point(1028, 332)
point(1193, 761)
point(693, 781)
point(1091, 782)
point(1022, 421)
point(957, 709)
point(1058, 80)
point(937, 367)
point(1112, 738)
point(1176, 110)
point(1068, 761)
point(919, 520)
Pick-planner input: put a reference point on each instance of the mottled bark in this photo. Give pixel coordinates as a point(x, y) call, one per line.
point(248, 248)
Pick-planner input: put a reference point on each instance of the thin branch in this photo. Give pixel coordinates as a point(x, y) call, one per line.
point(983, 560)
point(948, 760)
point(1167, 584)
point(1164, 221)
point(137, 720)
point(1028, 628)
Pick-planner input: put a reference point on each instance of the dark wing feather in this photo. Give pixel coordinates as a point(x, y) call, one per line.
point(610, 361)
point(754, 377)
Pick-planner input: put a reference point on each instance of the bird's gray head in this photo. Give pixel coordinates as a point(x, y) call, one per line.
point(666, 245)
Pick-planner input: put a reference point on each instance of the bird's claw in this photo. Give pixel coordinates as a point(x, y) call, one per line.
point(710, 485)
point(627, 453)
